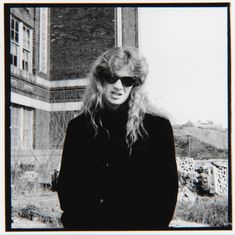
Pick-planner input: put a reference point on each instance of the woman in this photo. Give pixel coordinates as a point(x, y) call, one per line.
point(118, 170)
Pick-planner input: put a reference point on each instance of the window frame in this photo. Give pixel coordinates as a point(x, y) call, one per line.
point(22, 122)
point(23, 44)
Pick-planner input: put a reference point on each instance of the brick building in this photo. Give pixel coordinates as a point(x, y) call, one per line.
point(51, 51)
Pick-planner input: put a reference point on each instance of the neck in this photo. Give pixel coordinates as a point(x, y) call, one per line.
point(123, 108)
point(111, 107)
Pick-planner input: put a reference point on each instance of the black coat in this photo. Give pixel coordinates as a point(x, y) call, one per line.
point(104, 186)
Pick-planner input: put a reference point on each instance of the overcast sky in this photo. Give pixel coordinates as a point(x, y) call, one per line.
point(186, 49)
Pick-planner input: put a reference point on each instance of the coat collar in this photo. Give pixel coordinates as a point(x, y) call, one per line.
point(114, 119)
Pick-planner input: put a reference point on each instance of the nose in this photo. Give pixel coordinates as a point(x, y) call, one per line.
point(118, 85)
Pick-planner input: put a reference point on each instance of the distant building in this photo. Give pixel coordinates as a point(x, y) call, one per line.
point(205, 124)
point(188, 124)
point(51, 51)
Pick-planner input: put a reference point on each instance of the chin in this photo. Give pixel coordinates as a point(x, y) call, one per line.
point(117, 103)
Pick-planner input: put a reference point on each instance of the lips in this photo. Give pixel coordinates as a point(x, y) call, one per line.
point(115, 93)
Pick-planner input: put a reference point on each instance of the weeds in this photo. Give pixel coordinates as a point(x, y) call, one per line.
point(212, 211)
point(45, 215)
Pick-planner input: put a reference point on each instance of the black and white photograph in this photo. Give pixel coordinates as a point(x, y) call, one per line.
point(118, 116)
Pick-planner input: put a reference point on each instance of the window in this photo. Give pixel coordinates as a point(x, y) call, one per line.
point(14, 30)
point(15, 127)
point(21, 45)
point(25, 61)
point(26, 38)
point(21, 128)
point(14, 54)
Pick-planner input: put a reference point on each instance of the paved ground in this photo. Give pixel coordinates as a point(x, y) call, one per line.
point(181, 223)
point(25, 223)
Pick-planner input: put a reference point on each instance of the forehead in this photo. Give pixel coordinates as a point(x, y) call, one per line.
point(124, 72)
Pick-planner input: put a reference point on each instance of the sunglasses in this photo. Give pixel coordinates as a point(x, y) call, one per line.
point(126, 81)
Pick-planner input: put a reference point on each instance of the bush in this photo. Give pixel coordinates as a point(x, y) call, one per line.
point(212, 211)
point(45, 215)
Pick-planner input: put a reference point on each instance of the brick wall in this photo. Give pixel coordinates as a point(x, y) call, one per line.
point(78, 36)
point(30, 89)
point(70, 94)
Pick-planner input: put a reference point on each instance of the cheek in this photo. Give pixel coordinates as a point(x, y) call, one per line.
point(106, 88)
point(128, 90)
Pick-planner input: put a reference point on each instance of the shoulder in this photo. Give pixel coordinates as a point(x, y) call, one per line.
point(79, 122)
point(154, 119)
point(157, 125)
point(80, 118)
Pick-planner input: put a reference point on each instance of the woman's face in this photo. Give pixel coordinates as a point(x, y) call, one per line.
point(117, 92)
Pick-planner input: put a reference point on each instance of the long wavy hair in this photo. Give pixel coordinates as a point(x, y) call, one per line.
point(107, 65)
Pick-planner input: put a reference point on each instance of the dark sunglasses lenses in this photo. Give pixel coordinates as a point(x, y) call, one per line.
point(126, 81)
